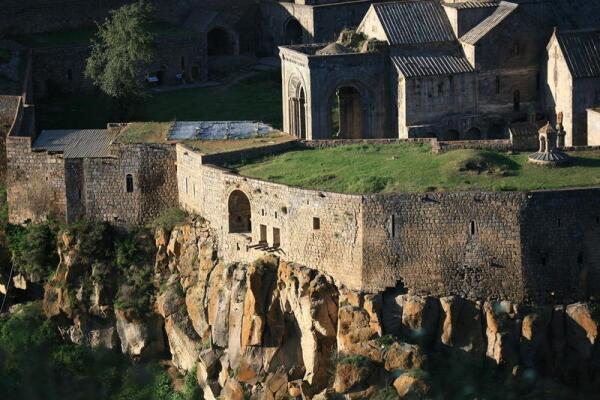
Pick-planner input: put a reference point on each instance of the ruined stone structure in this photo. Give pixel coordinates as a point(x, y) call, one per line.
point(451, 70)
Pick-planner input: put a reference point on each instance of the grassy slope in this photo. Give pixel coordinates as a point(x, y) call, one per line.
point(412, 168)
point(257, 98)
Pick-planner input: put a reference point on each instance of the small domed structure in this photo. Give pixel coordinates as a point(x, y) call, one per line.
point(333, 49)
point(549, 154)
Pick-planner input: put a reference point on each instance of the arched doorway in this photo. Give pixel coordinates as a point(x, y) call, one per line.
point(297, 109)
point(346, 113)
point(220, 42)
point(293, 32)
point(473, 134)
point(238, 207)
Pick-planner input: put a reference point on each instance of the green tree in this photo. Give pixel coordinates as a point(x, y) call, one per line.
point(121, 52)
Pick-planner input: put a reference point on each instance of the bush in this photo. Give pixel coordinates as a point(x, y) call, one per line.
point(94, 240)
point(33, 249)
point(168, 219)
point(134, 248)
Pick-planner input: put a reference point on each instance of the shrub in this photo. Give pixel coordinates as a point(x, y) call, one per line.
point(94, 239)
point(168, 219)
point(134, 248)
point(356, 360)
point(33, 249)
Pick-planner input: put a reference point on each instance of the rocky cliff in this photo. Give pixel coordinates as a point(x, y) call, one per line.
point(274, 330)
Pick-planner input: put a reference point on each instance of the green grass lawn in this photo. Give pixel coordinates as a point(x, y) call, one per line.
point(257, 98)
point(412, 168)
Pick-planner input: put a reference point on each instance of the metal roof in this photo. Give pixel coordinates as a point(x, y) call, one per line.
point(411, 66)
point(499, 15)
point(76, 143)
point(581, 50)
point(413, 22)
point(473, 4)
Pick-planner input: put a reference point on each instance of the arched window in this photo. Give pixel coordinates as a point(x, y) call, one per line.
point(239, 210)
point(129, 183)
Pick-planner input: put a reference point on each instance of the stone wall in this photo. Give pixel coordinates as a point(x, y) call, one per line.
point(315, 228)
point(593, 127)
point(8, 113)
point(477, 245)
point(61, 69)
point(35, 183)
point(105, 196)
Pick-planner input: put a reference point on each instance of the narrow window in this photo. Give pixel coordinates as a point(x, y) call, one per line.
point(558, 221)
point(275, 214)
point(316, 223)
point(393, 226)
point(186, 185)
point(69, 75)
point(262, 212)
point(580, 258)
point(129, 183)
point(263, 234)
point(276, 237)
point(543, 260)
point(182, 63)
point(516, 50)
point(517, 100)
point(472, 228)
point(79, 194)
point(497, 85)
point(598, 220)
point(194, 190)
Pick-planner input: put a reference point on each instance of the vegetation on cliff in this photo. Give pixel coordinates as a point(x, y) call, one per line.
point(413, 168)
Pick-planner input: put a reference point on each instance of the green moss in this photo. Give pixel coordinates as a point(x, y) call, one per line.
point(413, 168)
point(145, 132)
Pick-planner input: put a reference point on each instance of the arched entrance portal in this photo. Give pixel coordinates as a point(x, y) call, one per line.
point(238, 207)
point(346, 111)
point(297, 109)
point(451, 134)
point(220, 42)
point(293, 32)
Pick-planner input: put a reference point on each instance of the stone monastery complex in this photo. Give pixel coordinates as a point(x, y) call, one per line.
point(455, 74)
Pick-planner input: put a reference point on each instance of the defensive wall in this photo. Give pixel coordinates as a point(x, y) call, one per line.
point(44, 184)
point(527, 247)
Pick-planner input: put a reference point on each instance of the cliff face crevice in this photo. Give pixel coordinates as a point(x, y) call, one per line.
point(273, 329)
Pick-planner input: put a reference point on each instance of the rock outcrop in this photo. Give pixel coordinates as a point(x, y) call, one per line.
point(274, 330)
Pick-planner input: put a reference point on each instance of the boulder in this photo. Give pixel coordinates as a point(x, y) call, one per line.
point(232, 390)
point(403, 356)
point(582, 329)
point(503, 331)
point(419, 318)
point(412, 386)
point(208, 367)
point(352, 374)
point(184, 342)
point(140, 338)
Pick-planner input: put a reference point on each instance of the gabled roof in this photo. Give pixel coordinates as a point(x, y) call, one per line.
point(76, 143)
point(581, 50)
point(487, 25)
point(414, 22)
point(473, 4)
point(411, 66)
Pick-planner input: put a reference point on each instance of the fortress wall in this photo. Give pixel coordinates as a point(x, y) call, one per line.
point(335, 248)
point(153, 170)
point(440, 244)
point(561, 252)
point(35, 183)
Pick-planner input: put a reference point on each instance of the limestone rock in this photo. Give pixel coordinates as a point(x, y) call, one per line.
point(184, 342)
point(352, 376)
point(503, 331)
point(354, 329)
point(208, 367)
point(535, 347)
point(233, 390)
point(140, 338)
point(461, 325)
point(412, 386)
point(276, 386)
point(404, 356)
point(582, 329)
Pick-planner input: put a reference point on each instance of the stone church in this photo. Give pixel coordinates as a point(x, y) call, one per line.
point(461, 70)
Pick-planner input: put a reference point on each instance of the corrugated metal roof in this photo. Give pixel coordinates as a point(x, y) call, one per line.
point(413, 22)
point(582, 52)
point(76, 143)
point(474, 35)
point(411, 66)
point(473, 4)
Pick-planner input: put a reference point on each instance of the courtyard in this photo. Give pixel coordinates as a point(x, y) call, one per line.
point(413, 168)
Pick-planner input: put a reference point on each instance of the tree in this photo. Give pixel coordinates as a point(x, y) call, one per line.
point(121, 52)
